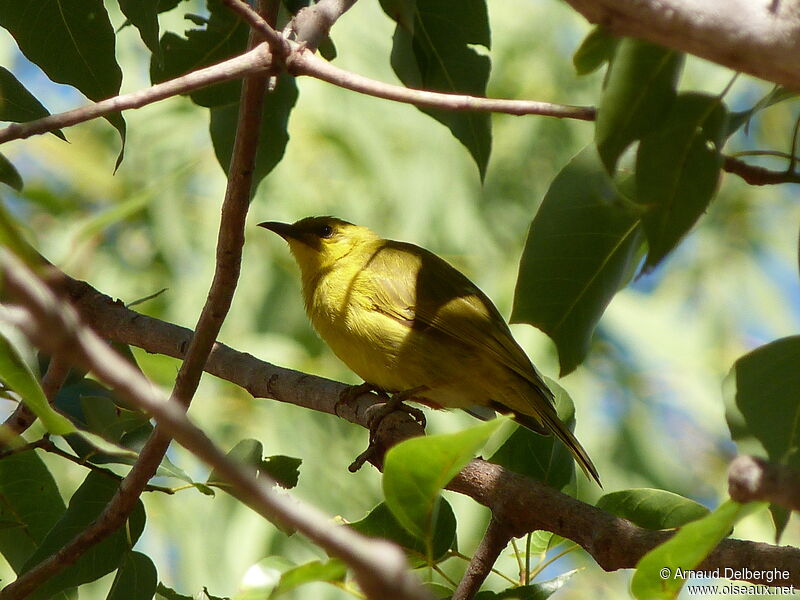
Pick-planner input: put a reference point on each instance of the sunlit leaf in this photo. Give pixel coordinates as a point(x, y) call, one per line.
point(332, 570)
point(639, 89)
point(30, 505)
point(677, 170)
point(86, 504)
point(578, 252)
point(438, 52)
point(416, 470)
point(18, 376)
point(653, 509)
point(249, 454)
point(657, 576)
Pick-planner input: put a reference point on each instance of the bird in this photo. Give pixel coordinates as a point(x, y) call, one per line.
point(409, 323)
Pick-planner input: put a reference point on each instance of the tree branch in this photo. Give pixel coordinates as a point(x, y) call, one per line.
point(228, 261)
point(525, 504)
point(491, 545)
point(312, 23)
point(755, 175)
point(304, 62)
point(257, 60)
point(379, 567)
point(761, 38)
point(751, 478)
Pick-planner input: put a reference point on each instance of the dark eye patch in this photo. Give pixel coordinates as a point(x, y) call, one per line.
point(325, 231)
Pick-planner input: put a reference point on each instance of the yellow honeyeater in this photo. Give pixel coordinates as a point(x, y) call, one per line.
point(401, 318)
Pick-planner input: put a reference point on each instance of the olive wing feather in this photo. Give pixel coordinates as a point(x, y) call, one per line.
point(421, 290)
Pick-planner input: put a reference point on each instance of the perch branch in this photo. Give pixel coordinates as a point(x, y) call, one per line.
point(523, 503)
point(752, 478)
point(380, 567)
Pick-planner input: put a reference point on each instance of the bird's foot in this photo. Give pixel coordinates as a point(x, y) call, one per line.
point(392, 404)
point(349, 394)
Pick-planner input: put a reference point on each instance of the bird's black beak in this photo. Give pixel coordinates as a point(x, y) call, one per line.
point(285, 230)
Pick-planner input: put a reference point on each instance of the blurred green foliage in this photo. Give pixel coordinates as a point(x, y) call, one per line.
point(648, 399)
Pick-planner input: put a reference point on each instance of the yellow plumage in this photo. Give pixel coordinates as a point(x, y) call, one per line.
point(401, 317)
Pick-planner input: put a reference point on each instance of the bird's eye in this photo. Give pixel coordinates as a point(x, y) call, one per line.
point(326, 231)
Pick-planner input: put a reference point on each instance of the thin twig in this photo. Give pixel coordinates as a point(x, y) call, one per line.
point(257, 60)
point(755, 175)
point(491, 545)
point(751, 478)
point(304, 62)
point(379, 567)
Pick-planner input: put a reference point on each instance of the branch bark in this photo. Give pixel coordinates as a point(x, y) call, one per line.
point(524, 504)
point(492, 543)
point(751, 478)
point(379, 567)
point(228, 261)
point(759, 37)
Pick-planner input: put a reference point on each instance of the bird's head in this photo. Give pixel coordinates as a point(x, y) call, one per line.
point(317, 243)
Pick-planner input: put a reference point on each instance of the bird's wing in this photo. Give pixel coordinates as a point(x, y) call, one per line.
point(421, 290)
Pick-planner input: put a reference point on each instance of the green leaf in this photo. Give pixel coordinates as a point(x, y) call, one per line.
point(249, 454)
point(437, 52)
point(579, 250)
point(18, 376)
point(223, 36)
point(652, 509)
point(86, 504)
point(595, 49)
point(136, 578)
point(416, 470)
point(9, 174)
point(541, 457)
point(332, 570)
point(274, 135)
point(677, 170)
point(657, 574)
point(767, 380)
point(30, 505)
point(639, 89)
point(536, 591)
point(18, 105)
point(143, 14)
point(381, 523)
point(72, 41)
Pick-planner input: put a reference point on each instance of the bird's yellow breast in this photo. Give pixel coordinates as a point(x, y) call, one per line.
point(368, 342)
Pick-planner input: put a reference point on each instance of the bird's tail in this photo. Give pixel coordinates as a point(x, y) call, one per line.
point(549, 419)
